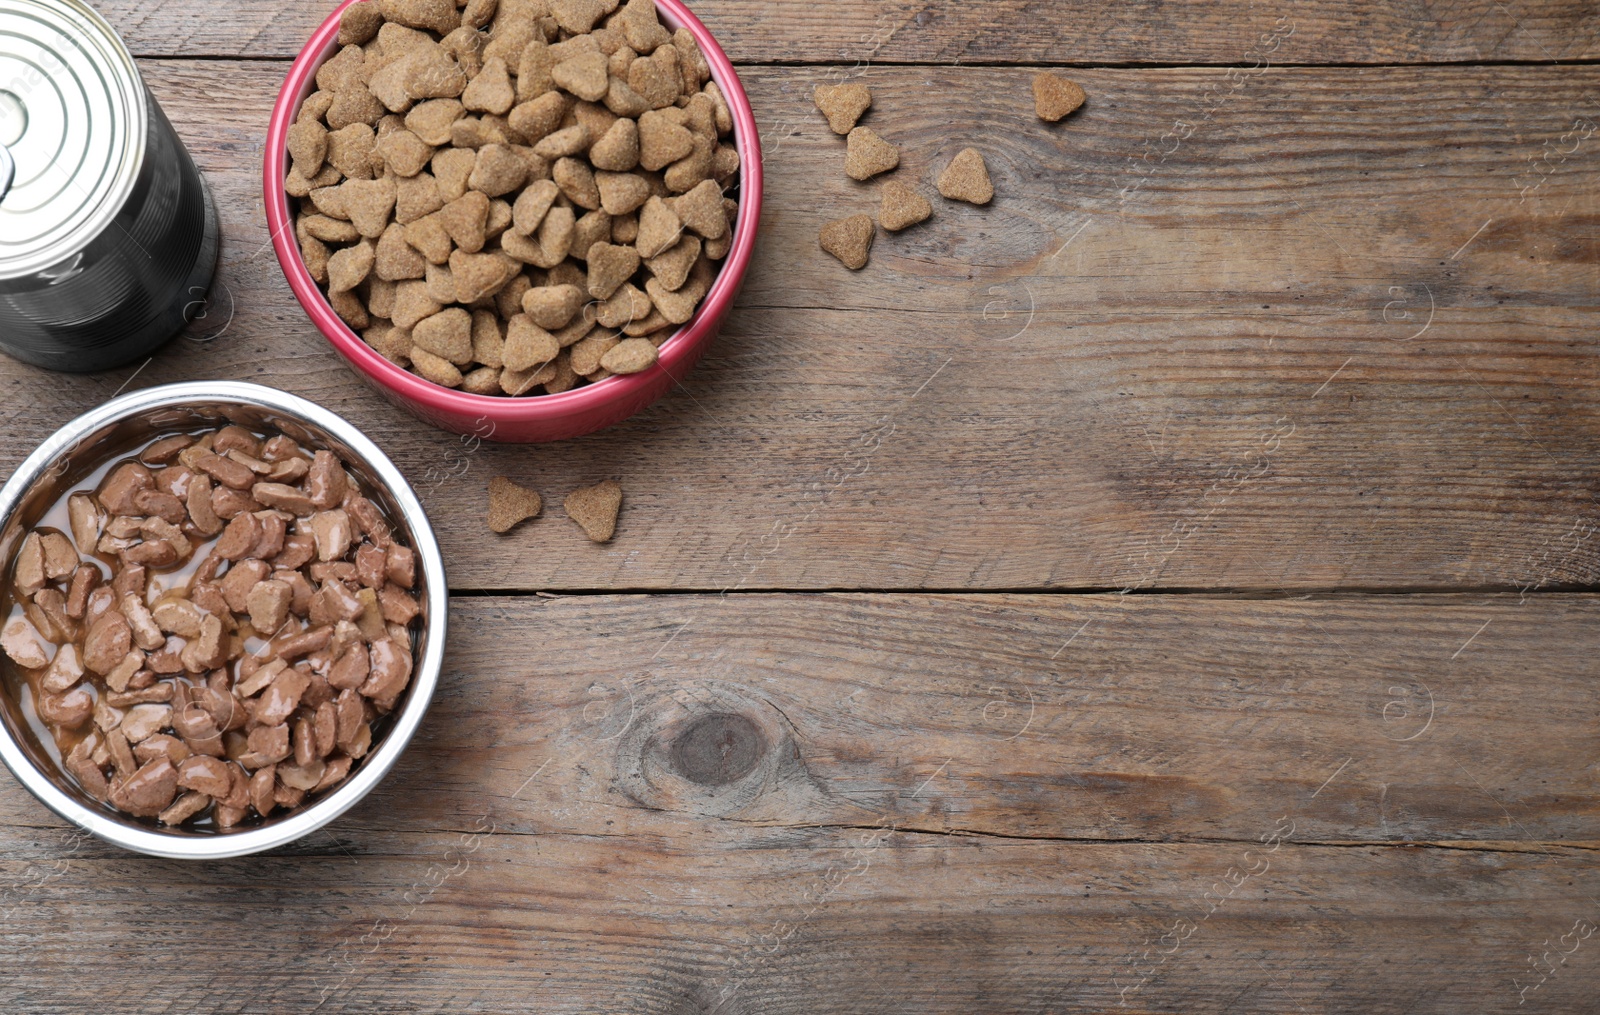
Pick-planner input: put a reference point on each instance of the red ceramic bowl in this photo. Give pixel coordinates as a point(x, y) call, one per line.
point(536, 417)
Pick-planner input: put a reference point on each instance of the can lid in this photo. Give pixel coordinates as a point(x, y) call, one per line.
point(72, 119)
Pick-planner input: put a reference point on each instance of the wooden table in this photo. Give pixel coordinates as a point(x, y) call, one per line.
point(1169, 588)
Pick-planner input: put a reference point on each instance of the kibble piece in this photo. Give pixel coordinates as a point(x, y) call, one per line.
point(595, 508)
point(398, 259)
point(527, 345)
point(686, 173)
point(624, 228)
point(538, 116)
point(535, 200)
point(354, 104)
point(451, 169)
point(490, 91)
point(675, 306)
point(551, 307)
point(510, 504)
point(349, 267)
point(868, 154)
point(610, 265)
point(520, 382)
point(586, 76)
point(966, 178)
point(415, 197)
point(671, 266)
point(555, 236)
point(488, 339)
point(447, 334)
point(589, 230)
point(842, 104)
point(701, 210)
point(1054, 96)
point(405, 153)
point(621, 193)
point(350, 150)
point(497, 170)
point(902, 207)
point(585, 358)
point(625, 306)
point(480, 275)
point(628, 357)
point(566, 141)
point(618, 149)
point(435, 368)
point(849, 239)
point(576, 180)
point(369, 204)
point(431, 120)
point(412, 303)
point(656, 78)
point(430, 238)
point(659, 227)
point(466, 220)
point(359, 23)
point(662, 141)
point(578, 16)
point(438, 15)
point(308, 146)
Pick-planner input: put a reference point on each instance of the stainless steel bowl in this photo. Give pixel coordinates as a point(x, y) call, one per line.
point(113, 430)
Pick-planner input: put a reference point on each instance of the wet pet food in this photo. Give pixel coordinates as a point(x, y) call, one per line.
point(213, 631)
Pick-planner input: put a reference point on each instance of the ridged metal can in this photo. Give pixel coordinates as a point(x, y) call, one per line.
point(108, 235)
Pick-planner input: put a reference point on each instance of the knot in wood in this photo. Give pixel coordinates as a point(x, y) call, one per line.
point(717, 749)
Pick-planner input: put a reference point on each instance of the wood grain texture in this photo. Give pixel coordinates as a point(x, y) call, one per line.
point(908, 839)
point(1219, 382)
point(996, 31)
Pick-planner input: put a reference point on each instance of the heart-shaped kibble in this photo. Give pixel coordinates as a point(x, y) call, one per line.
point(595, 508)
point(966, 178)
point(510, 504)
point(902, 207)
point(1054, 96)
point(842, 104)
point(849, 239)
point(867, 154)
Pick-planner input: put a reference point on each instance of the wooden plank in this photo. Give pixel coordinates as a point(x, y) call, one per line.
point(1104, 717)
point(916, 843)
point(1234, 32)
point(496, 922)
point(1228, 377)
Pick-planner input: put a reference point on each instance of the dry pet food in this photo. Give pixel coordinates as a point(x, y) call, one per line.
point(1054, 96)
point(867, 154)
point(902, 207)
point(595, 509)
point(483, 188)
point(842, 104)
point(967, 178)
point(510, 505)
point(849, 239)
point(214, 631)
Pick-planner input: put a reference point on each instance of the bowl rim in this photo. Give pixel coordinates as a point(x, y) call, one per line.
point(425, 672)
point(678, 349)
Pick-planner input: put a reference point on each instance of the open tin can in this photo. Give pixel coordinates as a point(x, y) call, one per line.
point(108, 235)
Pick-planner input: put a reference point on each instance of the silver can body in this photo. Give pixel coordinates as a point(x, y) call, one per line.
point(108, 234)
